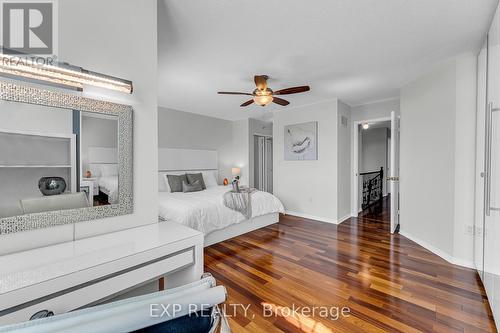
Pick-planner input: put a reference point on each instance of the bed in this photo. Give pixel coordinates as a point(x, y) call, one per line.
point(103, 164)
point(109, 186)
point(205, 210)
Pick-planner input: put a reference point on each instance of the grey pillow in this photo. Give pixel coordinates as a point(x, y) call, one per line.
point(193, 187)
point(175, 182)
point(193, 177)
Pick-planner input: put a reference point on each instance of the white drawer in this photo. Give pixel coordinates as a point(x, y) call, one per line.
point(101, 288)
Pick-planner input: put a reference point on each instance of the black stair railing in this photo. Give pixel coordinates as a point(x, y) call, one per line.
point(373, 189)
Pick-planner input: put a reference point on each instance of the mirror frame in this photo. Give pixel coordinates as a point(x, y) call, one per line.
point(26, 94)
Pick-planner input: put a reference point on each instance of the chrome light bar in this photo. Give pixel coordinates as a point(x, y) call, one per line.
point(29, 68)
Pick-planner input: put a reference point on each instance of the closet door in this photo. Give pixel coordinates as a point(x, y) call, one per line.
point(492, 173)
point(269, 164)
point(259, 163)
point(480, 157)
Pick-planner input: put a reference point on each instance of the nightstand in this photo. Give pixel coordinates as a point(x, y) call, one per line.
point(87, 186)
point(95, 182)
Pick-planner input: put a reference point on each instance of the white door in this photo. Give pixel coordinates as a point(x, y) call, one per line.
point(263, 163)
point(394, 172)
point(492, 173)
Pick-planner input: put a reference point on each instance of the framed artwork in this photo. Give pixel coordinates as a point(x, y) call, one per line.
point(301, 142)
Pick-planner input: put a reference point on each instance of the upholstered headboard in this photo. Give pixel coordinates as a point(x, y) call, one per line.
point(186, 159)
point(179, 161)
point(98, 156)
point(103, 155)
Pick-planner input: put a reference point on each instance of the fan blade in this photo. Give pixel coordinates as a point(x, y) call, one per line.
point(247, 103)
point(280, 101)
point(261, 81)
point(233, 93)
point(292, 90)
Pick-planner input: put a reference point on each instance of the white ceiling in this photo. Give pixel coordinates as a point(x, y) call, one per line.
point(356, 50)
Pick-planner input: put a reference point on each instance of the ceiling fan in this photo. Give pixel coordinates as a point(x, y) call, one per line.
point(263, 95)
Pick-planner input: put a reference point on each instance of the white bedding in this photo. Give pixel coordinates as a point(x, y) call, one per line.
point(109, 186)
point(205, 210)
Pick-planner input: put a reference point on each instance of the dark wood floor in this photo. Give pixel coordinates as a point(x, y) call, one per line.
point(389, 283)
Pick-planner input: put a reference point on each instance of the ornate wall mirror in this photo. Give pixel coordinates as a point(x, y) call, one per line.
point(63, 158)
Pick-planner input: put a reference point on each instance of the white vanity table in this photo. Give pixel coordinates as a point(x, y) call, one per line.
point(76, 274)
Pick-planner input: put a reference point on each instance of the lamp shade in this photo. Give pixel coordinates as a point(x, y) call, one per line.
point(263, 97)
point(263, 100)
point(235, 171)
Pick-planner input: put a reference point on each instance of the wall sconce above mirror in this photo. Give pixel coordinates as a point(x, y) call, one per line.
point(59, 74)
point(63, 158)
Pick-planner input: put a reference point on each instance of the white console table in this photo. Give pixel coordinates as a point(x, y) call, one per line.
point(76, 274)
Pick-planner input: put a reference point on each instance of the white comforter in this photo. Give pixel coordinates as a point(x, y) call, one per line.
point(205, 210)
point(109, 185)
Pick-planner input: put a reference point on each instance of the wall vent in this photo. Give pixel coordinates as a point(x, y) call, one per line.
point(343, 120)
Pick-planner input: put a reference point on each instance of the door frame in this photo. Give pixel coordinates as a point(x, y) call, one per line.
point(394, 168)
point(355, 161)
point(265, 136)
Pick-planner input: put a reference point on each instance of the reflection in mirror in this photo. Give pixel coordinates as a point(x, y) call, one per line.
point(55, 159)
point(99, 157)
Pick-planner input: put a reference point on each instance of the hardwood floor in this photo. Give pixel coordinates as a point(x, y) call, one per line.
point(387, 282)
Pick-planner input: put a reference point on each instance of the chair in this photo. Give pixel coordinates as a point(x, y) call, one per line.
point(54, 203)
point(144, 314)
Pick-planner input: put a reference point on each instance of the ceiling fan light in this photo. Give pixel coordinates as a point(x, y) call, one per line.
point(263, 100)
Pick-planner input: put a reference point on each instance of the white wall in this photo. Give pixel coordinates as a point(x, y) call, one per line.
point(465, 150)
point(184, 130)
point(427, 171)
point(97, 132)
point(375, 110)
point(121, 44)
point(374, 151)
point(344, 162)
point(240, 149)
point(437, 158)
point(256, 127)
point(308, 188)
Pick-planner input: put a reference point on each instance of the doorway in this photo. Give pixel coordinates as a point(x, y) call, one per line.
point(375, 182)
point(263, 159)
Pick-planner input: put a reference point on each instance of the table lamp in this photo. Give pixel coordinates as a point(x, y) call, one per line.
point(236, 173)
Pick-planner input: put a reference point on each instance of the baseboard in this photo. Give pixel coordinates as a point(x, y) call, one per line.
point(345, 218)
point(355, 214)
point(312, 217)
point(438, 252)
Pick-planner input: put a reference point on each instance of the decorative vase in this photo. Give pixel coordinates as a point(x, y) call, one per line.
point(225, 182)
point(52, 185)
point(88, 174)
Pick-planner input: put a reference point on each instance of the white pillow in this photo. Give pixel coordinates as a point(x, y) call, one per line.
point(210, 180)
point(108, 170)
point(165, 182)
